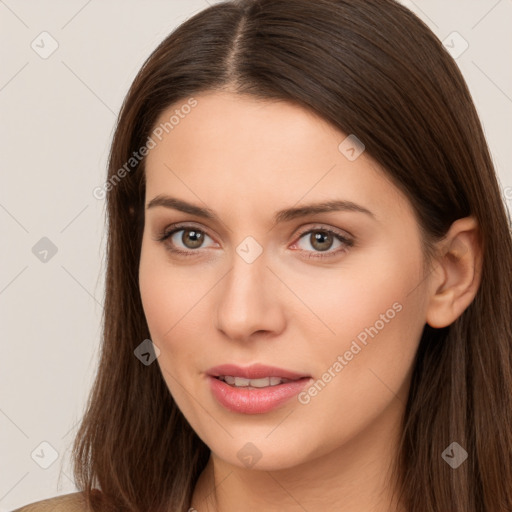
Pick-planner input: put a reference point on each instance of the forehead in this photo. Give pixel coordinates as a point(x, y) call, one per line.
point(259, 152)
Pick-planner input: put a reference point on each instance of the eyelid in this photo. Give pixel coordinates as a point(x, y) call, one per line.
point(347, 240)
point(168, 231)
point(165, 235)
point(323, 227)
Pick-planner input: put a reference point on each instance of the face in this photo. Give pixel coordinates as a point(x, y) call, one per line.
point(268, 241)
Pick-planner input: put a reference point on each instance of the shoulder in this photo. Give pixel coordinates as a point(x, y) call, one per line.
point(74, 502)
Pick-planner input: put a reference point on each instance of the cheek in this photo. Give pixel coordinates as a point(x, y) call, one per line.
point(167, 292)
point(366, 289)
point(176, 303)
point(159, 297)
point(170, 301)
point(376, 310)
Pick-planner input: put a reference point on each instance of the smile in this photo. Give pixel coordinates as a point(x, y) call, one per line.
point(241, 382)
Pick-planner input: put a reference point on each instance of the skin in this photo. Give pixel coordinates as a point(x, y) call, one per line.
point(246, 159)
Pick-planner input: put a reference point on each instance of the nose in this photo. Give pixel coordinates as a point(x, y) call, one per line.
point(248, 304)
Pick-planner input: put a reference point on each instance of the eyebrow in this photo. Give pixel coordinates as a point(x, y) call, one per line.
point(281, 216)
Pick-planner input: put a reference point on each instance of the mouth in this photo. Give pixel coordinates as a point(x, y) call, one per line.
point(241, 382)
point(256, 375)
point(254, 389)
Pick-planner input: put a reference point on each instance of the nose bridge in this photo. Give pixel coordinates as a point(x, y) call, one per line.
point(246, 303)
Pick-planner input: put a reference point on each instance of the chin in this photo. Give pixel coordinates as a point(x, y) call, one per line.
point(261, 453)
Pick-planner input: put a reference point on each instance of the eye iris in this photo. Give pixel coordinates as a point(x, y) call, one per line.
point(321, 240)
point(194, 238)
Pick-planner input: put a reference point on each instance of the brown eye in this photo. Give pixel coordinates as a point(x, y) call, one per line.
point(321, 240)
point(185, 239)
point(192, 238)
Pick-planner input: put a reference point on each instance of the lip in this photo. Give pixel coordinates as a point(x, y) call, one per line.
point(254, 400)
point(254, 371)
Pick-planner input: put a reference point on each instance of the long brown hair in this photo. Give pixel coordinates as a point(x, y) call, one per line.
point(371, 68)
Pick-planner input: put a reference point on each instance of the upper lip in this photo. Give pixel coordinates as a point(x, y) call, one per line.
point(254, 371)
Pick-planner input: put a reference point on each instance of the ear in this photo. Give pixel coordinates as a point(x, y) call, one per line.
point(457, 273)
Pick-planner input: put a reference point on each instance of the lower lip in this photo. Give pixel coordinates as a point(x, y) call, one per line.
point(255, 400)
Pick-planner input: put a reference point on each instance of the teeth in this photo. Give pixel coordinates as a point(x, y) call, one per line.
point(241, 382)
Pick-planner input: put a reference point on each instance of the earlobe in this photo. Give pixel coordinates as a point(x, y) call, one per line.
point(456, 281)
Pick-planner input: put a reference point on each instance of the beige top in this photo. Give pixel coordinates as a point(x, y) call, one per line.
point(74, 502)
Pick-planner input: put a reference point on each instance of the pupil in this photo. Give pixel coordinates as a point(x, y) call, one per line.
point(321, 240)
point(193, 240)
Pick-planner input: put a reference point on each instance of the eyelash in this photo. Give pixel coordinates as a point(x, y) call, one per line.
point(167, 233)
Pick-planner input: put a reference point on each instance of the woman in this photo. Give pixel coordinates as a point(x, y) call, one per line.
point(308, 299)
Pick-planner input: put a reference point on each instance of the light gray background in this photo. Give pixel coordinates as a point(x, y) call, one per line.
point(57, 118)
